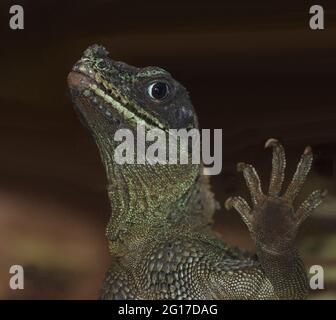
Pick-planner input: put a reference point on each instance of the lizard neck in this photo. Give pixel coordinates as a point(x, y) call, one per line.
point(145, 198)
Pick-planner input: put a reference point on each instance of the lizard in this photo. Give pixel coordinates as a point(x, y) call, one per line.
point(160, 234)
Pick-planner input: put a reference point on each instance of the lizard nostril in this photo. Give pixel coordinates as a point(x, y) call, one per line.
point(102, 64)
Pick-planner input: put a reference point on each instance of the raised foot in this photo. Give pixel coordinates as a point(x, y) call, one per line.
point(272, 221)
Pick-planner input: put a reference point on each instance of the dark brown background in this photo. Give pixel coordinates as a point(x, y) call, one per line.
point(253, 68)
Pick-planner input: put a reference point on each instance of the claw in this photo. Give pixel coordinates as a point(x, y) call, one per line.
point(308, 150)
point(241, 166)
point(271, 143)
point(228, 203)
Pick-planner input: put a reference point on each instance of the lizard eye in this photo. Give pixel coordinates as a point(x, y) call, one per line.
point(158, 90)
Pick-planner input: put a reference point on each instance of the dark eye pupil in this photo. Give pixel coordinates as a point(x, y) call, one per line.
point(158, 90)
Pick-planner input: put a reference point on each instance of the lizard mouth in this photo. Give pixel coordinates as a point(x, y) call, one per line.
point(86, 87)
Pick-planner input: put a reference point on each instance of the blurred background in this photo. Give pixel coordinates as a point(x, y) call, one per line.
point(254, 69)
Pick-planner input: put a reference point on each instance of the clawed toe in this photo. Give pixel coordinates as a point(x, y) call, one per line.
point(252, 181)
point(312, 202)
point(241, 206)
point(278, 166)
point(300, 174)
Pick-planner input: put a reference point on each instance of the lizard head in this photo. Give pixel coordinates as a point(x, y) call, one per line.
point(117, 95)
point(111, 95)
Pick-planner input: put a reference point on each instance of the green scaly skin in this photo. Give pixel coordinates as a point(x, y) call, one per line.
point(159, 233)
